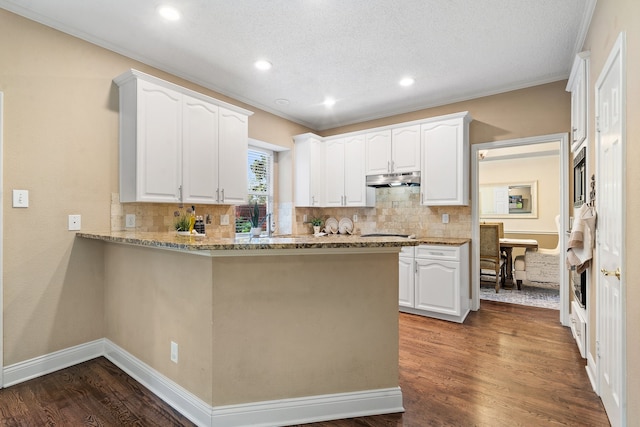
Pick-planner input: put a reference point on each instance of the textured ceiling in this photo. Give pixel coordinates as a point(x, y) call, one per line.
point(354, 51)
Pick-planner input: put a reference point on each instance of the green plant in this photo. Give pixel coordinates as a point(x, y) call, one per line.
point(255, 216)
point(316, 222)
point(182, 223)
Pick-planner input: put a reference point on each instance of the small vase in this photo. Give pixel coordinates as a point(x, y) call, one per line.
point(316, 229)
point(256, 231)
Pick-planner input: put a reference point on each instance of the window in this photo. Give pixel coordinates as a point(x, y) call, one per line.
point(260, 189)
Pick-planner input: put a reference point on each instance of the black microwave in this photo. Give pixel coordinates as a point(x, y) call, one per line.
point(580, 178)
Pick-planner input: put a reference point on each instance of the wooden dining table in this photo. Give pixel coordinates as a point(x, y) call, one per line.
point(507, 245)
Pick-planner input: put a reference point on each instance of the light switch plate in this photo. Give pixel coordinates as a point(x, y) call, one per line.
point(74, 222)
point(445, 218)
point(20, 198)
point(224, 219)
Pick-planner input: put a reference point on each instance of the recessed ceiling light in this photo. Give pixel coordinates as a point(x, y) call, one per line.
point(329, 102)
point(407, 81)
point(169, 13)
point(282, 101)
point(262, 65)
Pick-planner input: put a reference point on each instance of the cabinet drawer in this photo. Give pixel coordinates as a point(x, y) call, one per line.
point(407, 251)
point(449, 253)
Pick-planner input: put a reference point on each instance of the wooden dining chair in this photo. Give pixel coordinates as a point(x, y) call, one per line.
point(491, 257)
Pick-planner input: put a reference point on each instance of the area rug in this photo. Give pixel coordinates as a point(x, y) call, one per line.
point(545, 295)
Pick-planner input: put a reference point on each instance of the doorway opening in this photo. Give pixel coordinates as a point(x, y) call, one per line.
point(529, 204)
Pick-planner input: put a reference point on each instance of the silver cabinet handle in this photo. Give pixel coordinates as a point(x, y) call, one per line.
point(180, 193)
point(217, 194)
point(222, 195)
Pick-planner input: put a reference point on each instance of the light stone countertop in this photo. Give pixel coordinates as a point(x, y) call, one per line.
point(203, 243)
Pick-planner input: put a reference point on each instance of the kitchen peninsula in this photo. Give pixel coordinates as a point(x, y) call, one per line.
point(269, 330)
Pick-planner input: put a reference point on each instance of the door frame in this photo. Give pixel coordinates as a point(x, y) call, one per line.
point(563, 138)
point(1, 241)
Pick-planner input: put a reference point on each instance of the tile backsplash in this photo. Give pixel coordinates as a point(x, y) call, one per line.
point(397, 210)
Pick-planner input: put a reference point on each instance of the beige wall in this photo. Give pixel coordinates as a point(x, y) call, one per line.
point(251, 329)
point(545, 172)
point(61, 144)
point(609, 19)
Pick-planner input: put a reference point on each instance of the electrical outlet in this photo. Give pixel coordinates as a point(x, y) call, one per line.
point(20, 198)
point(355, 217)
point(445, 218)
point(74, 222)
point(130, 221)
point(224, 219)
point(174, 352)
point(304, 218)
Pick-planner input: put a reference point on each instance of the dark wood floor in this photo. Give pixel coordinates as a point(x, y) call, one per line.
point(507, 365)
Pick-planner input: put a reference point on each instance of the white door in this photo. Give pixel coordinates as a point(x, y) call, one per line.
point(233, 144)
point(378, 152)
point(159, 143)
point(334, 172)
point(355, 187)
point(1, 244)
point(199, 151)
point(610, 143)
point(405, 149)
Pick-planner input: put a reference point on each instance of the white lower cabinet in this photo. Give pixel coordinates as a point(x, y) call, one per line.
point(439, 285)
point(579, 327)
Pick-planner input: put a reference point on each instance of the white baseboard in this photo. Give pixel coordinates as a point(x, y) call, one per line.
point(591, 372)
point(38, 366)
point(255, 414)
point(310, 409)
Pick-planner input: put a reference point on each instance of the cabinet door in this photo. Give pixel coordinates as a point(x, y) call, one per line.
point(233, 140)
point(406, 282)
point(579, 104)
point(309, 170)
point(334, 172)
point(378, 148)
point(438, 286)
point(355, 186)
point(159, 146)
point(405, 149)
point(199, 151)
point(445, 163)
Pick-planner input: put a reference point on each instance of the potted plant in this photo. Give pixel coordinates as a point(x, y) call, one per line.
point(182, 224)
point(256, 224)
point(316, 223)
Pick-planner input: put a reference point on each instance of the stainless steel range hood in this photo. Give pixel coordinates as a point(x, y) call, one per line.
point(394, 179)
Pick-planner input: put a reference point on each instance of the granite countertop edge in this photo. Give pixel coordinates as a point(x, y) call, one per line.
point(169, 240)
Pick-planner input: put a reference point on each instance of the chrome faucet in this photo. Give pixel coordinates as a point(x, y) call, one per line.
point(269, 225)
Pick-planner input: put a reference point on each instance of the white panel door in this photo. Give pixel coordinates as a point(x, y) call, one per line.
point(334, 172)
point(378, 152)
point(406, 282)
point(159, 157)
point(610, 116)
point(355, 187)
point(199, 151)
point(405, 149)
point(438, 286)
point(233, 143)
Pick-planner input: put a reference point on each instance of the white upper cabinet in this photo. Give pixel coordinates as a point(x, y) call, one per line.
point(393, 150)
point(345, 181)
point(378, 152)
point(232, 156)
point(155, 135)
point(309, 167)
point(577, 85)
point(200, 151)
point(445, 161)
point(177, 145)
point(405, 149)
